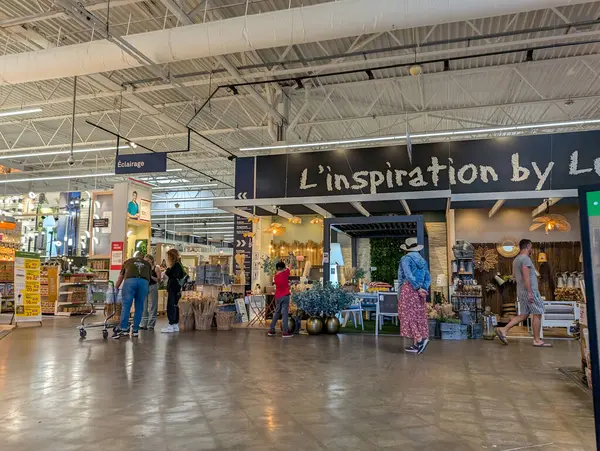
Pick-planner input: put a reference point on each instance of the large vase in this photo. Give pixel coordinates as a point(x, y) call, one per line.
point(291, 325)
point(332, 325)
point(314, 325)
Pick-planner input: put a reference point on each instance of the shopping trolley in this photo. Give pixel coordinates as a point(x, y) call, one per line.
point(101, 293)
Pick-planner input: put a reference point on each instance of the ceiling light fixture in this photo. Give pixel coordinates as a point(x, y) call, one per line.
point(57, 152)
point(475, 131)
point(57, 177)
point(185, 187)
point(19, 112)
point(132, 145)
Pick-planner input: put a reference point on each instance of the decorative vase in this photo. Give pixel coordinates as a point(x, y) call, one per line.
point(332, 325)
point(291, 325)
point(314, 325)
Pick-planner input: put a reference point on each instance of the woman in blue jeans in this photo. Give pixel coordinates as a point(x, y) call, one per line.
point(135, 278)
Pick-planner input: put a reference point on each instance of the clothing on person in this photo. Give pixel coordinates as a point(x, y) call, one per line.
point(174, 273)
point(413, 275)
point(133, 208)
point(413, 269)
point(154, 276)
point(534, 308)
point(518, 263)
point(136, 267)
point(135, 291)
point(412, 313)
point(282, 283)
point(150, 307)
point(537, 306)
point(281, 310)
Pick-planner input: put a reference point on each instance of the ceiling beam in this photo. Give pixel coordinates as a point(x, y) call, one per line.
point(319, 210)
point(496, 207)
point(544, 205)
point(405, 206)
point(359, 207)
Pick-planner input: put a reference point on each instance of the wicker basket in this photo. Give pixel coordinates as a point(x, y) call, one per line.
point(204, 322)
point(225, 320)
point(187, 321)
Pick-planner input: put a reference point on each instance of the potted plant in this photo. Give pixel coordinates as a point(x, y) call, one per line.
point(336, 300)
point(322, 301)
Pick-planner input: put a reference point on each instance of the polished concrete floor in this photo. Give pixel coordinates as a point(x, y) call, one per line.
point(242, 390)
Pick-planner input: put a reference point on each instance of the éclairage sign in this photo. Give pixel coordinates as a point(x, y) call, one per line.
point(524, 163)
point(141, 163)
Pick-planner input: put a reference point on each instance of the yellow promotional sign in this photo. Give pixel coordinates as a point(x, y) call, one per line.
point(28, 302)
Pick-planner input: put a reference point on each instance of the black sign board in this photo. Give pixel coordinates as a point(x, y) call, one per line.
point(100, 223)
point(523, 163)
point(158, 233)
point(141, 163)
point(243, 244)
point(199, 239)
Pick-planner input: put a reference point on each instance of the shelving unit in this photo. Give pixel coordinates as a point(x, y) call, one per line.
point(73, 294)
point(466, 295)
point(7, 286)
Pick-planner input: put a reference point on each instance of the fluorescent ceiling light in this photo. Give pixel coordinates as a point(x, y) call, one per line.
point(188, 199)
point(57, 152)
point(19, 112)
point(188, 218)
point(64, 177)
point(169, 188)
point(57, 177)
point(201, 224)
point(193, 210)
point(475, 131)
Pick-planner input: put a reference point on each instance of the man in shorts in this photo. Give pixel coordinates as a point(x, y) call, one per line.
point(528, 296)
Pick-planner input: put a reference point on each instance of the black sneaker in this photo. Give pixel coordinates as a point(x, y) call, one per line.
point(118, 334)
point(412, 349)
point(143, 328)
point(422, 345)
point(271, 333)
point(135, 334)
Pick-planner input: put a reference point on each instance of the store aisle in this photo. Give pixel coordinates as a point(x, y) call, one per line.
point(243, 390)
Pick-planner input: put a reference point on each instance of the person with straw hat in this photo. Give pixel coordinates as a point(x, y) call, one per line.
point(414, 281)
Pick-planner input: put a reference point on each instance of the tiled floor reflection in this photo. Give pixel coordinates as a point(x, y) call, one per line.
point(241, 390)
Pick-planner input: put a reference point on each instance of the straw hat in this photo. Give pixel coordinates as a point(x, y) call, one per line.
point(411, 245)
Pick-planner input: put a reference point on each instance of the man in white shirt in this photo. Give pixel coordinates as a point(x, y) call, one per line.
point(528, 296)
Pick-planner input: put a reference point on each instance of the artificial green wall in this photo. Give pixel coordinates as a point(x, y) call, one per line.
point(385, 256)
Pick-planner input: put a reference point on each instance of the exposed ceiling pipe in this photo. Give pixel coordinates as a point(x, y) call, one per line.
point(176, 10)
point(331, 20)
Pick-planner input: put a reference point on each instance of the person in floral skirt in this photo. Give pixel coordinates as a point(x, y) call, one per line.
point(414, 281)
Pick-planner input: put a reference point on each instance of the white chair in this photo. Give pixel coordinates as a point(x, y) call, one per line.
point(388, 308)
point(353, 311)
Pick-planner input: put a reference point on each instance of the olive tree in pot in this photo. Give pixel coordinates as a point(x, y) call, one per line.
point(322, 303)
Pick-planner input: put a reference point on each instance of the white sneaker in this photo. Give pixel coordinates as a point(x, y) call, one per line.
point(175, 327)
point(167, 329)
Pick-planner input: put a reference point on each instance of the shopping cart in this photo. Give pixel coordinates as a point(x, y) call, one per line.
point(101, 293)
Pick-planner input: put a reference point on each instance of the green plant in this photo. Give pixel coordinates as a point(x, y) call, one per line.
point(141, 246)
point(385, 256)
point(323, 299)
point(268, 264)
point(359, 273)
point(446, 319)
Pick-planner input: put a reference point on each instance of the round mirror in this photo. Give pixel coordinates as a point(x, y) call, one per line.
point(508, 247)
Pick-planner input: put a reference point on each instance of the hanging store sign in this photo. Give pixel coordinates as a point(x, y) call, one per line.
point(524, 163)
point(141, 163)
point(158, 233)
point(100, 223)
point(28, 301)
